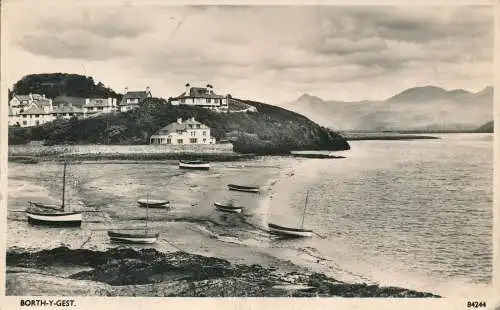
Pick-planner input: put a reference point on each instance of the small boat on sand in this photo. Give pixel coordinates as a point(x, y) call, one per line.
point(135, 235)
point(292, 232)
point(141, 236)
point(54, 215)
point(194, 165)
point(243, 188)
point(228, 207)
point(153, 203)
point(288, 231)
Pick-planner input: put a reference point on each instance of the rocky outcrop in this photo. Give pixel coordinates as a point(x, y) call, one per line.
point(147, 272)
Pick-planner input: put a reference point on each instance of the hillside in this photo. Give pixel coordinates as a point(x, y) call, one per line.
point(426, 108)
point(488, 127)
point(271, 131)
point(62, 84)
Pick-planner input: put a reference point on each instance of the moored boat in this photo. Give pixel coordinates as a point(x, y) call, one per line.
point(194, 164)
point(141, 236)
point(288, 231)
point(153, 203)
point(291, 231)
point(54, 218)
point(228, 208)
point(243, 188)
point(54, 215)
point(135, 235)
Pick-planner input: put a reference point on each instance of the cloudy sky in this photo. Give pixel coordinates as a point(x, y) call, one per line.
point(270, 53)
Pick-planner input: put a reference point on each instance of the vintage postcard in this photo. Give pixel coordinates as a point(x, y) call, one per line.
point(327, 153)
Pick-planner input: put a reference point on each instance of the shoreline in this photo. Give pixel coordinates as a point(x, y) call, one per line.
point(149, 272)
point(385, 136)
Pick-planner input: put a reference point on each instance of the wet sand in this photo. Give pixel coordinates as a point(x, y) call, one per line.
point(190, 226)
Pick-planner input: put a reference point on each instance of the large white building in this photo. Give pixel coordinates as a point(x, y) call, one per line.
point(34, 109)
point(99, 105)
point(181, 132)
point(30, 110)
point(204, 97)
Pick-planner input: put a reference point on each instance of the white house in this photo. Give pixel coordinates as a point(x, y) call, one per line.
point(204, 97)
point(36, 114)
point(99, 105)
point(67, 111)
point(132, 99)
point(30, 110)
point(188, 132)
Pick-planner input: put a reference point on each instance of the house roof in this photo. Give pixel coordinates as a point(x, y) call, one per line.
point(37, 98)
point(141, 95)
point(173, 127)
point(33, 110)
point(67, 109)
point(199, 92)
point(97, 102)
point(75, 101)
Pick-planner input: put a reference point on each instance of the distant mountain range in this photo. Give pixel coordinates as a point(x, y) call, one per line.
point(427, 108)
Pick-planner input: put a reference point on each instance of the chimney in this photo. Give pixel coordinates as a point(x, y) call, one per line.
point(126, 89)
point(188, 89)
point(179, 120)
point(87, 101)
point(148, 90)
point(31, 96)
point(192, 118)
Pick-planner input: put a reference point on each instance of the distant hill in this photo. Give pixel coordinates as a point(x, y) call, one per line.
point(427, 108)
point(62, 84)
point(272, 130)
point(488, 127)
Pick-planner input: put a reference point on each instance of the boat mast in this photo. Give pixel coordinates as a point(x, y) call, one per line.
point(304, 213)
point(64, 186)
point(147, 207)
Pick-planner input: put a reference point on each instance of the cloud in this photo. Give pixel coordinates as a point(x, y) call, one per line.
point(295, 48)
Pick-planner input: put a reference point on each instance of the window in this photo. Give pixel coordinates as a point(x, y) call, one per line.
point(169, 141)
point(198, 126)
point(25, 123)
point(37, 122)
point(179, 141)
point(99, 109)
point(209, 100)
point(179, 132)
point(204, 133)
point(190, 126)
point(36, 115)
point(183, 100)
point(193, 140)
point(24, 116)
point(204, 140)
point(193, 133)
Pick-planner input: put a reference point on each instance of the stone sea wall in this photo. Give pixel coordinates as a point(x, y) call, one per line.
point(41, 150)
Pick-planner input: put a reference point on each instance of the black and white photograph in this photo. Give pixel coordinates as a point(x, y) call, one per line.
point(219, 150)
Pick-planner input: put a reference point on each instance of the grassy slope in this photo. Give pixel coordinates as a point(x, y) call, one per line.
point(271, 131)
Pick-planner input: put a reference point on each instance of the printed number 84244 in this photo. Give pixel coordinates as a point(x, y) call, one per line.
point(476, 304)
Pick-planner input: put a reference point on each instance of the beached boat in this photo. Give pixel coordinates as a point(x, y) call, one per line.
point(135, 235)
point(194, 165)
point(54, 215)
point(228, 208)
point(140, 236)
point(291, 231)
point(153, 203)
point(243, 188)
point(305, 154)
